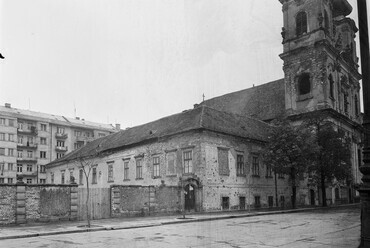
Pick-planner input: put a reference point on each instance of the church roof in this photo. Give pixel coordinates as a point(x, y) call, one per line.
point(201, 118)
point(264, 102)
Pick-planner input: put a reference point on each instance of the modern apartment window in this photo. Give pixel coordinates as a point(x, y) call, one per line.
point(19, 167)
point(11, 123)
point(255, 166)
point(2, 136)
point(42, 169)
point(2, 121)
point(62, 177)
point(43, 141)
point(60, 143)
point(2, 151)
point(268, 171)
point(29, 168)
point(42, 154)
point(301, 23)
point(171, 163)
point(29, 126)
point(156, 167)
point(188, 161)
point(60, 130)
point(42, 181)
point(29, 140)
point(51, 177)
point(2, 167)
point(101, 134)
point(77, 133)
point(43, 127)
point(29, 154)
point(2, 180)
point(29, 181)
point(126, 169)
point(20, 139)
point(60, 155)
point(10, 180)
point(94, 176)
point(10, 137)
point(20, 125)
point(223, 161)
point(10, 166)
point(110, 172)
point(240, 165)
point(81, 177)
point(225, 203)
point(139, 168)
point(10, 152)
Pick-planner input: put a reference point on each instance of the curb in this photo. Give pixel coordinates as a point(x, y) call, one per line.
point(190, 220)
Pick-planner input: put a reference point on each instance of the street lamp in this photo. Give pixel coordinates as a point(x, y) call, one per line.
point(365, 169)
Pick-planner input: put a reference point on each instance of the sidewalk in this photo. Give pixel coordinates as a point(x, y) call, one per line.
point(54, 228)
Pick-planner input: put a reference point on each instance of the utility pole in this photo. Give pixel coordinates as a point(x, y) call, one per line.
point(365, 169)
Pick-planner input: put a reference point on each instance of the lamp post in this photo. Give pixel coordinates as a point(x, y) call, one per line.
point(365, 169)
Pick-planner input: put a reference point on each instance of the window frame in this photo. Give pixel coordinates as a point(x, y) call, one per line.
point(301, 22)
point(188, 167)
point(110, 171)
point(240, 167)
point(139, 168)
point(255, 166)
point(156, 167)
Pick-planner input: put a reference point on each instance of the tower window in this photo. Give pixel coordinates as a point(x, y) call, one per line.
point(301, 23)
point(331, 86)
point(304, 85)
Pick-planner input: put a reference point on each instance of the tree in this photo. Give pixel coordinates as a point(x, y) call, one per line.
point(332, 160)
point(288, 151)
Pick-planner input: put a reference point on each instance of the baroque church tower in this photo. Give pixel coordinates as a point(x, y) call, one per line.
point(321, 66)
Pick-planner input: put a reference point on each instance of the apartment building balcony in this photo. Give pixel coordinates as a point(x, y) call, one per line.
point(28, 173)
point(61, 148)
point(61, 135)
point(27, 160)
point(26, 146)
point(32, 131)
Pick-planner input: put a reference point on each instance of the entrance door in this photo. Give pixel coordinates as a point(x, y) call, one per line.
point(241, 202)
point(189, 197)
point(312, 197)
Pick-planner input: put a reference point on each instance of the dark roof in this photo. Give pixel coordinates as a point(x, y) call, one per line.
point(198, 118)
point(264, 102)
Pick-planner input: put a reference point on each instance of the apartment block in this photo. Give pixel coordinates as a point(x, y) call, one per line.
point(29, 140)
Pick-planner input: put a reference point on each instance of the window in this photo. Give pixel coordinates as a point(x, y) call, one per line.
point(2, 136)
point(10, 166)
point(346, 103)
point(19, 167)
point(20, 154)
point(43, 141)
point(326, 21)
point(29, 154)
point(125, 169)
point(29, 140)
point(255, 166)
point(11, 123)
point(60, 155)
point(257, 201)
point(79, 144)
point(241, 202)
point(94, 176)
point(223, 161)
point(225, 203)
point(2, 151)
point(2, 121)
point(101, 134)
point(29, 168)
point(11, 137)
point(60, 143)
point(156, 167)
point(20, 125)
point(20, 139)
point(52, 177)
point(359, 158)
point(301, 23)
point(281, 175)
point(304, 85)
point(240, 165)
point(139, 168)
point(331, 86)
point(268, 171)
point(2, 180)
point(43, 127)
point(10, 152)
point(81, 176)
point(77, 133)
point(2, 165)
point(29, 181)
point(171, 163)
point(42, 169)
point(271, 201)
point(356, 105)
point(42, 154)
point(188, 161)
point(110, 172)
point(71, 177)
point(60, 130)
point(42, 181)
point(62, 177)
point(10, 180)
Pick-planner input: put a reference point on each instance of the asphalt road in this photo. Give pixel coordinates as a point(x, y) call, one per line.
point(329, 228)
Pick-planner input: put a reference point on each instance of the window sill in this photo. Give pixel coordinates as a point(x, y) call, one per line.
point(304, 97)
point(137, 179)
point(156, 177)
point(110, 181)
point(126, 180)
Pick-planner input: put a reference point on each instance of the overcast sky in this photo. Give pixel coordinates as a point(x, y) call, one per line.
point(134, 61)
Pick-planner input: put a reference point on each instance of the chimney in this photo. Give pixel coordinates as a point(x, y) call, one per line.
point(118, 126)
point(8, 105)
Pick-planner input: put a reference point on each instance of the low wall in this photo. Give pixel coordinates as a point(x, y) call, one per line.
point(135, 200)
point(22, 203)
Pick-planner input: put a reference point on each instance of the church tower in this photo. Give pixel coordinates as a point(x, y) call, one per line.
point(320, 62)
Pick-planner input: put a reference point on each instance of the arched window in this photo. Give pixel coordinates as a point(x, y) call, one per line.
point(304, 85)
point(301, 23)
point(326, 20)
point(331, 86)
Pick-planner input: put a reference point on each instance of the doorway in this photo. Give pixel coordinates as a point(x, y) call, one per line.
point(189, 197)
point(312, 197)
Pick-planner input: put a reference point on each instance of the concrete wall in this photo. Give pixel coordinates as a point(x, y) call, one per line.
point(28, 203)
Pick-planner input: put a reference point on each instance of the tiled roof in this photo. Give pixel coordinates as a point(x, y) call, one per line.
point(264, 102)
point(199, 118)
point(55, 119)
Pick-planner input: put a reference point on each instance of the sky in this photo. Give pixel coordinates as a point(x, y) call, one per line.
point(134, 61)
